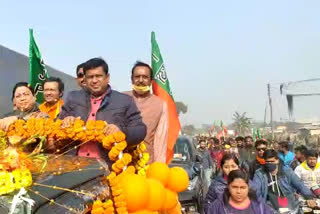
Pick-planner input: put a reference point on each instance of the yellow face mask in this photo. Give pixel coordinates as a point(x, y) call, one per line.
point(141, 89)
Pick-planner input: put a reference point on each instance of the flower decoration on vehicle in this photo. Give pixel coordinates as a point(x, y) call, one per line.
point(135, 186)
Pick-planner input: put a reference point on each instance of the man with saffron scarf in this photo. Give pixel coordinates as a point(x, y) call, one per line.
point(261, 146)
point(53, 88)
point(153, 111)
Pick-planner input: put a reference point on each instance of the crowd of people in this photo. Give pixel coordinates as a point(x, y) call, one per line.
point(246, 176)
point(242, 175)
point(139, 114)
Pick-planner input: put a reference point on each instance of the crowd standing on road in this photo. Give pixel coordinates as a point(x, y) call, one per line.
point(255, 176)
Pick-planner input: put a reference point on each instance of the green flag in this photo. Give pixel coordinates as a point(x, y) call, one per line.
point(258, 133)
point(161, 88)
point(221, 125)
point(37, 69)
point(254, 134)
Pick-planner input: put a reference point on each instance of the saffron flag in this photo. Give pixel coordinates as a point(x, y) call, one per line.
point(37, 70)
point(223, 128)
point(161, 88)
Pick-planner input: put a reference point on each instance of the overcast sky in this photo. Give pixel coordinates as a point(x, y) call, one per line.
point(219, 55)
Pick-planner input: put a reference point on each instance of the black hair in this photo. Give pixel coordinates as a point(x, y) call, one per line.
point(95, 63)
point(302, 149)
point(239, 138)
point(311, 153)
point(21, 84)
point(139, 63)
point(270, 153)
point(284, 144)
point(238, 174)
point(230, 139)
point(222, 139)
point(78, 67)
point(215, 140)
point(260, 142)
point(229, 156)
point(57, 80)
point(247, 137)
point(202, 140)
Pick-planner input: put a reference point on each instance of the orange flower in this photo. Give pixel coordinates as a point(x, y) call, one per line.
point(119, 136)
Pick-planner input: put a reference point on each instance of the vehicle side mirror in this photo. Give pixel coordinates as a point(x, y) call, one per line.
point(198, 158)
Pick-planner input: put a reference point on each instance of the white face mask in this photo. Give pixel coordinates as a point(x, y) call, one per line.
point(141, 89)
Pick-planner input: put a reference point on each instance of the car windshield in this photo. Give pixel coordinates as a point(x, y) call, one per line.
point(182, 151)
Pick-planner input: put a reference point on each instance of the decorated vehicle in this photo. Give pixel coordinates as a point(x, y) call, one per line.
point(185, 156)
point(34, 182)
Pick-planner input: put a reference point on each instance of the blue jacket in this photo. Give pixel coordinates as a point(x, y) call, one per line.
point(289, 183)
point(116, 108)
point(217, 187)
point(286, 159)
point(219, 207)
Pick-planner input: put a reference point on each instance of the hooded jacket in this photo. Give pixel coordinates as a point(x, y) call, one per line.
point(217, 187)
point(219, 207)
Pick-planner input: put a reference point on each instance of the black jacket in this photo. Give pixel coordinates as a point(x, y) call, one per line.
point(250, 166)
point(116, 108)
point(254, 165)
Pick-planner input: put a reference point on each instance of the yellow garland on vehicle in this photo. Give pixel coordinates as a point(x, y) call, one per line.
point(85, 132)
point(15, 180)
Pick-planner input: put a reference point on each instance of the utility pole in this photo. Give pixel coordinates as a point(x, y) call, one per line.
point(265, 115)
point(270, 104)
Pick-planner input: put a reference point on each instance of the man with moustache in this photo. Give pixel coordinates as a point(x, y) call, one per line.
point(53, 88)
point(249, 153)
point(98, 101)
point(153, 111)
point(309, 170)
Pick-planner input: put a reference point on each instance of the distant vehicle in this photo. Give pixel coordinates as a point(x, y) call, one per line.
point(185, 156)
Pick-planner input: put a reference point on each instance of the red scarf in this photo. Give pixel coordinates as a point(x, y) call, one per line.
point(261, 160)
point(225, 177)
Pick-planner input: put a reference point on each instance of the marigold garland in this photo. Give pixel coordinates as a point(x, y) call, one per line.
point(11, 181)
point(141, 159)
point(85, 132)
point(123, 162)
point(100, 207)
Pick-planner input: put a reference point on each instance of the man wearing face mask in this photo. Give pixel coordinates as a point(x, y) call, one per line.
point(153, 111)
point(277, 185)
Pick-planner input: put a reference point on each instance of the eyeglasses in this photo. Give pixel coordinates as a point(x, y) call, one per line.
point(80, 75)
point(261, 149)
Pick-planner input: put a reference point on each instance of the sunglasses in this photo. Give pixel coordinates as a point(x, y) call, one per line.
point(80, 75)
point(261, 149)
